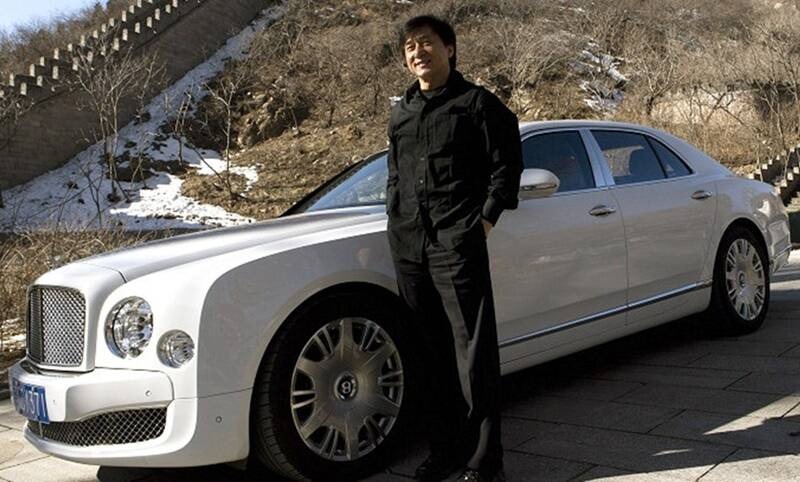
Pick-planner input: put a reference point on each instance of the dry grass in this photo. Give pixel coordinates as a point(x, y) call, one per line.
point(24, 257)
point(337, 63)
point(290, 166)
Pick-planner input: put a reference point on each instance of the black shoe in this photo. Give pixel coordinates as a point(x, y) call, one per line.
point(472, 475)
point(438, 466)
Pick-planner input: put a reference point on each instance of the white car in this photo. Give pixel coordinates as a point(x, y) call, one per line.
point(284, 342)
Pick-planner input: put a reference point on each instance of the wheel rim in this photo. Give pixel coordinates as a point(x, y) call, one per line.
point(744, 279)
point(347, 388)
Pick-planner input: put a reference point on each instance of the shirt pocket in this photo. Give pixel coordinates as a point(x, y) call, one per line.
point(452, 130)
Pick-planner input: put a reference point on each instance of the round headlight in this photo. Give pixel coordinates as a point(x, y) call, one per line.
point(175, 348)
point(129, 327)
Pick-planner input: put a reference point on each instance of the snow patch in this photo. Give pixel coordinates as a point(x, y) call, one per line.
point(602, 79)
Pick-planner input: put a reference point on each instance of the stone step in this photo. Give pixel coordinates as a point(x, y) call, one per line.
point(136, 25)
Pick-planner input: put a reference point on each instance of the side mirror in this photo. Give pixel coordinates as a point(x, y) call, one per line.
point(537, 183)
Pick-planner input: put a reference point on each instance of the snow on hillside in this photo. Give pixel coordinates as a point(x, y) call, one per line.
point(69, 197)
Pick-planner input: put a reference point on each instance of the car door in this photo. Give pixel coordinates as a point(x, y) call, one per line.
point(558, 263)
point(668, 213)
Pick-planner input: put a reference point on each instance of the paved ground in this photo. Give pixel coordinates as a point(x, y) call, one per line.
point(672, 403)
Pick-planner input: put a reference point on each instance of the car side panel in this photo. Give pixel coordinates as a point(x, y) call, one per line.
point(755, 201)
point(246, 307)
point(667, 233)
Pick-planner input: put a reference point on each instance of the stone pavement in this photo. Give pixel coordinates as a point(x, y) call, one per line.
point(672, 403)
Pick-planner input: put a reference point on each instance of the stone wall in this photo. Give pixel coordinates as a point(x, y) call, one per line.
point(54, 129)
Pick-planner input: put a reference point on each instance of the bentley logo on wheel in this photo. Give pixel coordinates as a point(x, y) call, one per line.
point(346, 387)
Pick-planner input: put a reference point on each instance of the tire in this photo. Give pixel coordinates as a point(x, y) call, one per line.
point(740, 288)
point(306, 360)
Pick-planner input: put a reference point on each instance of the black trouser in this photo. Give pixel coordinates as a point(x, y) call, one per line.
point(452, 317)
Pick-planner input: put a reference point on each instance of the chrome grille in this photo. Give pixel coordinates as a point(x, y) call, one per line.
point(113, 428)
point(56, 320)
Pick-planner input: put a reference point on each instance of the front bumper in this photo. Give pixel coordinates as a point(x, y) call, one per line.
point(195, 431)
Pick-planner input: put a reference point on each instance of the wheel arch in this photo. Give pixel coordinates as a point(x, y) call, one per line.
point(738, 222)
point(367, 288)
point(747, 224)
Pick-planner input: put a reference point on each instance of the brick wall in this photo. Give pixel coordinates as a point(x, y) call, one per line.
point(53, 130)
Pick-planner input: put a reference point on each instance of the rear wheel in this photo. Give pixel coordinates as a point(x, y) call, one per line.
point(740, 290)
point(331, 394)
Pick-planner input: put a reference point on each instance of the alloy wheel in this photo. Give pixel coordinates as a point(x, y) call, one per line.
point(744, 279)
point(347, 388)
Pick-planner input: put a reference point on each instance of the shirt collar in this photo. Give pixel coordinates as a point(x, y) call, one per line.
point(454, 78)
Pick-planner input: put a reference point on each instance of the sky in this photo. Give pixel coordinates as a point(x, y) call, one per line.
point(16, 12)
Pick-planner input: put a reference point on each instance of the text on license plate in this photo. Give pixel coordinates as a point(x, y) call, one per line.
point(29, 401)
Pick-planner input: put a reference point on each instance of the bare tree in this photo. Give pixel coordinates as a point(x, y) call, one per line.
point(527, 53)
point(225, 92)
point(113, 85)
point(659, 63)
point(775, 60)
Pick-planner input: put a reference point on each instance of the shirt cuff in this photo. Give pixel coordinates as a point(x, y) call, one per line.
point(491, 210)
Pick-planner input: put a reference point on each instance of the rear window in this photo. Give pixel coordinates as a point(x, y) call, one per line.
point(672, 164)
point(629, 156)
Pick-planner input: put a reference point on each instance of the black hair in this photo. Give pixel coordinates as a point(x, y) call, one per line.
point(440, 27)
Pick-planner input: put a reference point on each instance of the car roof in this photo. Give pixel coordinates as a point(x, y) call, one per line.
point(530, 126)
point(699, 161)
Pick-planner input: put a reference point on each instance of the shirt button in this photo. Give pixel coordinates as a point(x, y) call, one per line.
point(422, 158)
point(419, 181)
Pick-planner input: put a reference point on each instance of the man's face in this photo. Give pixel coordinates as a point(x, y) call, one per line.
point(427, 57)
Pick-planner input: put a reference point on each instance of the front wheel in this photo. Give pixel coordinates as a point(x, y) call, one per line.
point(331, 394)
point(740, 290)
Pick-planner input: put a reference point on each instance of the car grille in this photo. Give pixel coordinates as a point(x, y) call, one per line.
point(56, 320)
point(113, 428)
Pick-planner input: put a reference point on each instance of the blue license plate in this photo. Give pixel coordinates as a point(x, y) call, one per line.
point(29, 401)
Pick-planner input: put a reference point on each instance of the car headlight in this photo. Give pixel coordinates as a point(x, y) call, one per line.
point(175, 348)
point(129, 327)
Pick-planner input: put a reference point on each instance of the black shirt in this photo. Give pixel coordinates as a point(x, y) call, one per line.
point(453, 158)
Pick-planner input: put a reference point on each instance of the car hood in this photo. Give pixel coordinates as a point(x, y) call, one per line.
point(154, 256)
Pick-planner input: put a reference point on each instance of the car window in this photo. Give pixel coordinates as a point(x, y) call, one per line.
point(563, 154)
point(361, 185)
point(629, 156)
point(671, 163)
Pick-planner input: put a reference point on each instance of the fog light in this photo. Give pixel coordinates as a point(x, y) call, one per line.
point(175, 348)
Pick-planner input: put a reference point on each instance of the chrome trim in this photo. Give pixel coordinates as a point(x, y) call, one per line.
point(56, 331)
point(669, 294)
point(775, 258)
point(563, 326)
point(542, 186)
point(781, 253)
point(700, 195)
point(602, 210)
point(605, 314)
point(598, 159)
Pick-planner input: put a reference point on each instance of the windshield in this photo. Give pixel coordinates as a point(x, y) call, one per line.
point(363, 184)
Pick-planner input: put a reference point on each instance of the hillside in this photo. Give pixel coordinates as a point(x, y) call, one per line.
point(299, 100)
point(306, 90)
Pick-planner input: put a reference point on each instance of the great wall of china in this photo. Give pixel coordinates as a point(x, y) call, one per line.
point(53, 129)
point(183, 33)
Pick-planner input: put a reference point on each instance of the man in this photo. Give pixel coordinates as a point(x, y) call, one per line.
point(455, 161)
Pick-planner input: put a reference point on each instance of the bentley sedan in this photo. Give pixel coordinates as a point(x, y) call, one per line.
point(284, 344)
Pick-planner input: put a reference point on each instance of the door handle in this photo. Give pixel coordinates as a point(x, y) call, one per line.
point(602, 210)
point(700, 195)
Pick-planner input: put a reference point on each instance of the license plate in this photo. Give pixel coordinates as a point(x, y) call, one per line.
point(29, 401)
